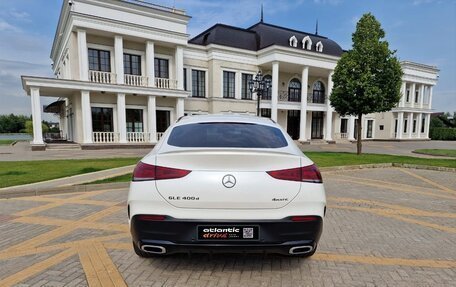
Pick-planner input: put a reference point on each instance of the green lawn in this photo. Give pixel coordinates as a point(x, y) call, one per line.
point(438, 152)
point(6, 142)
point(329, 159)
point(23, 172)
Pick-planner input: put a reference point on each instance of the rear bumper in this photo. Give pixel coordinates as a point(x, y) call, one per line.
point(177, 235)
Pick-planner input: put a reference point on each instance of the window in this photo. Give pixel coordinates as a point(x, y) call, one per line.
point(343, 126)
point(268, 94)
point(294, 91)
point(161, 68)
point(134, 120)
point(318, 93)
point(414, 126)
point(229, 84)
point(381, 127)
point(408, 96)
point(198, 84)
point(246, 94)
point(417, 95)
point(293, 41)
point(405, 126)
point(370, 124)
point(99, 60)
point(132, 64)
point(265, 113)
point(319, 47)
point(227, 135)
point(423, 121)
point(102, 119)
point(307, 43)
point(185, 79)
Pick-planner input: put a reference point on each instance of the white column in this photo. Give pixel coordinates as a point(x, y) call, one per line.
point(179, 59)
point(404, 94)
point(410, 125)
point(275, 90)
point(179, 108)
point(419, 120)
point(36, 116)
point(400, 125)
point(421, 96)
point(83, 56)
point(152, 119)
point(121, 118)
point(412, 95)
point(427, 123)
point(86, 117)
point(118, 59)
point(431, 88)
point(302, 125)
point(150, 63)
point(329, 110)
point(351, 128)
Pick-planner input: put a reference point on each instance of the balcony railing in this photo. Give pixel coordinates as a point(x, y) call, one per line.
point(341, 135)
point(163, 83)
point(316, 98)
point(135, 80)
point(284, 96)
point(138, 137)
point(159, 136)
point(102, 77)
point(105, 137)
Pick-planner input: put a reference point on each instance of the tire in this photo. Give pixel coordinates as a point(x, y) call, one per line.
point(143, 254)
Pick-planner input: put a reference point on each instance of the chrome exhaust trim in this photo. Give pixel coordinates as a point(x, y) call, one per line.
point(153, 249)
point(301, 249)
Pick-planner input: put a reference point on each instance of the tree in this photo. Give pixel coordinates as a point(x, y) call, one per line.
point(29, 127)
point(367, 78)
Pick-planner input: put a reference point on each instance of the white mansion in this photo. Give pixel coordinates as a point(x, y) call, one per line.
point(125, 70)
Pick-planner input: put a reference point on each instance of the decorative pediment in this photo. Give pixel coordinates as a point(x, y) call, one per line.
point(319, 46)
point(293, 41)
point(307, 43)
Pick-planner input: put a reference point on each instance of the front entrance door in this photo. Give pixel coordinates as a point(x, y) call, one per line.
point(163, 121)
point(293, 123)
point(370, 124)
point(317, 125)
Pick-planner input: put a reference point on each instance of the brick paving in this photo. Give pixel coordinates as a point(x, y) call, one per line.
point(384, 227)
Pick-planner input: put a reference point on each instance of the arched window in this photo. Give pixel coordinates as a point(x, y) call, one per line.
point(294, 91)
point(267, 95)
point(319, 47)
point(293, 41)
point(307, 43)
point(318, 94)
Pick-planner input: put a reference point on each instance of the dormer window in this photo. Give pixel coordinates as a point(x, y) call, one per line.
point(319, 47)
point(307, 43)
point(293, 41)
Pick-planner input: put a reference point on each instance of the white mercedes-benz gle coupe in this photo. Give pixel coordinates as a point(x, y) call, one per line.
point(226, 183)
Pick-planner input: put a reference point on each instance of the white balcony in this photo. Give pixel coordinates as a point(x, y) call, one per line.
point(134, 80)
point(163, 83)
point(105, 137)
point(102, 77)
point(138, 137)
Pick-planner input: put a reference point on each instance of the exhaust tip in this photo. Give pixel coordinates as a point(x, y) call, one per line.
point(301, 249)
point(153, 249)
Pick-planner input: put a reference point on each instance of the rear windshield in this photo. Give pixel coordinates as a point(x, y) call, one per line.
point(240, 135)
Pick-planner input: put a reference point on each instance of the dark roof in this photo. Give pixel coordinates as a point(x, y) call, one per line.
point(260, 36)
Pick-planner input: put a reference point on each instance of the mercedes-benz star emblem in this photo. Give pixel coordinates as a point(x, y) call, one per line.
point(229, 181)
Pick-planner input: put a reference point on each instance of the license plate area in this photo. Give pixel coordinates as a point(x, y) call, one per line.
point(228, 232)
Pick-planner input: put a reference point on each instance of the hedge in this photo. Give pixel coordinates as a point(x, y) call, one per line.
point(445, 134)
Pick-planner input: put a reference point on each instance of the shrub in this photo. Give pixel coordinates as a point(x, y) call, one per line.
point(445, 134)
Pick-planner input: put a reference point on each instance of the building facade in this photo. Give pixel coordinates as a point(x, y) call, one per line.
point(125, 70)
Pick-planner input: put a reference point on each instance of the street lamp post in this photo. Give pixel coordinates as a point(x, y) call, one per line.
point(259, 85)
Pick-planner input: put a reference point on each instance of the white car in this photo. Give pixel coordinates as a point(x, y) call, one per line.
point(226, 183)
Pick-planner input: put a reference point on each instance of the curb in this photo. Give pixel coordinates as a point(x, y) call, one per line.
point(384, 165)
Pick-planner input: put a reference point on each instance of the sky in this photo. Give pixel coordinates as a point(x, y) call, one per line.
point(422, 31)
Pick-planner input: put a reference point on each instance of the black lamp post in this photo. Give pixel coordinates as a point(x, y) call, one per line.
point(259, 86)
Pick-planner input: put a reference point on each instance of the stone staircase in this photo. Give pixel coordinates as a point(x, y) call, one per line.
point(63, 146)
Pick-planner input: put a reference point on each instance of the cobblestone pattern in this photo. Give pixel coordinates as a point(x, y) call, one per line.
point(384, 227)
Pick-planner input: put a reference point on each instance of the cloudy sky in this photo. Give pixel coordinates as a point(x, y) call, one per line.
point(423, 31)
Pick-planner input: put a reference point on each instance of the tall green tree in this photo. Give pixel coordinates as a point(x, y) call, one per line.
point(367, 78)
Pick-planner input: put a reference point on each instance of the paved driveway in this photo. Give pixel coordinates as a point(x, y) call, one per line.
point(384, 227)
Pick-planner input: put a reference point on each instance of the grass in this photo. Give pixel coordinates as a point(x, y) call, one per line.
point(329, 159)
point(6, 142)
point(24, 172)
point(437, 152)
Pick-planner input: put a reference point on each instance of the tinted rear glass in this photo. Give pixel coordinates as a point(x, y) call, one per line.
point(240, 135)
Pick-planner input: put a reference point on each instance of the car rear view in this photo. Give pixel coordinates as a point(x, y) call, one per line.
point(226, 183)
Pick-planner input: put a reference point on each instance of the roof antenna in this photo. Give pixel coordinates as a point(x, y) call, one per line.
point(261, 19)
point(316, 28)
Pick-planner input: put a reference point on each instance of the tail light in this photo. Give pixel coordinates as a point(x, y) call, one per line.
point(308, 173)
point(145, 172)
point(304, 218)
point(151, 217)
